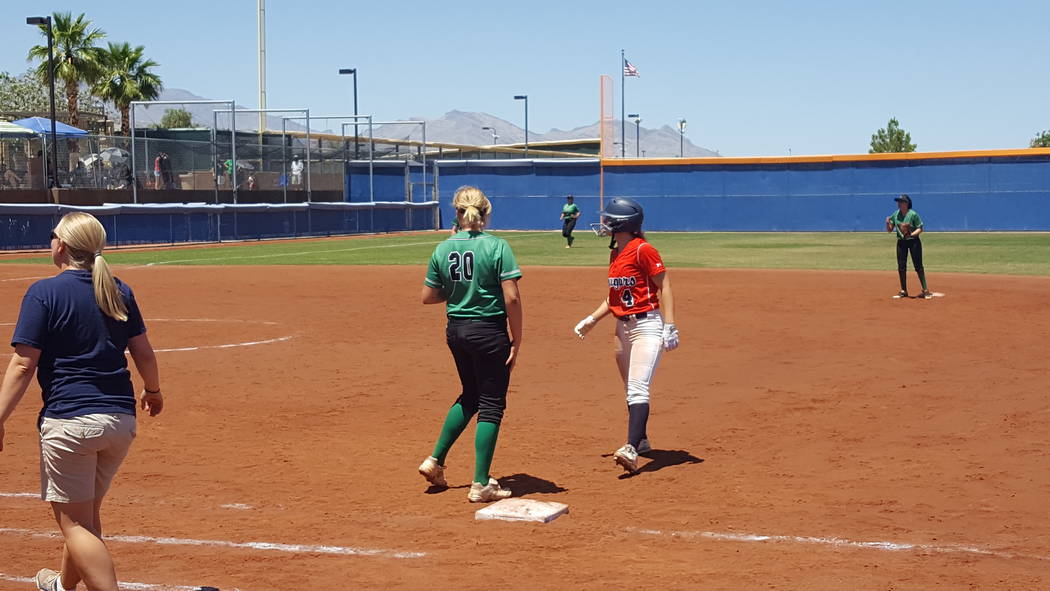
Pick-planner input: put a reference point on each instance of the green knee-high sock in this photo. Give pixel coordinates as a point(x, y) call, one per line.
point(922, 280)
point(484, 447)
point(455, 422)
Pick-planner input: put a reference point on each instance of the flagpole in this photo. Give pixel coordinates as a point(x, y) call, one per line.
point(623, 79)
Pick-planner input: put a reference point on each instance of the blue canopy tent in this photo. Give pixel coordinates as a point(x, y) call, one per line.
point(43, 125)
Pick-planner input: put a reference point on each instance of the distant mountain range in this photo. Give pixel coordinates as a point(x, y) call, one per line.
point(454, 127)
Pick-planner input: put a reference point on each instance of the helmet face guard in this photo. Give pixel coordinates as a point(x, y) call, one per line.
point(621, 215)
point(601, 229)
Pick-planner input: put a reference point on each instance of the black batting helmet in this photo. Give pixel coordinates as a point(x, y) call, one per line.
point(622, 215)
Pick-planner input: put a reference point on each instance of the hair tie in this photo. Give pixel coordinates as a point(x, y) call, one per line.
point(98, 254)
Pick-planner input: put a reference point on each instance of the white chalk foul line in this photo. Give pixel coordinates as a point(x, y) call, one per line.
point(26, 278)
point(841, 543)
point(21, 495)
point(230, 320)
point(120, 584)
point(269, 546)
point(226, 346)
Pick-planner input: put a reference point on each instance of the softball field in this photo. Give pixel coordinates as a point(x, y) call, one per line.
point(809, 433)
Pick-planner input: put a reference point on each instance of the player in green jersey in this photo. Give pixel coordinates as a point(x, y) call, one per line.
point(476, 276)
point(908, 226)
point(569, 214)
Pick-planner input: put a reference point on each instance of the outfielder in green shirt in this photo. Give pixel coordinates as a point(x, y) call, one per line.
point(476, 276)
point(907, 224)
point(569, 214)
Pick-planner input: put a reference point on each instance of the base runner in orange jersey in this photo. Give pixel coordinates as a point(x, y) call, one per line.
point(640, 299)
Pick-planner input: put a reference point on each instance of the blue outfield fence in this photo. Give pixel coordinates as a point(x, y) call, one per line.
point(29, 226)
point(975, 193)
point(954, 192)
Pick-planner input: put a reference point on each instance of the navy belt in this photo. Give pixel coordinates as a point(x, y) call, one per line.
point(638, 316)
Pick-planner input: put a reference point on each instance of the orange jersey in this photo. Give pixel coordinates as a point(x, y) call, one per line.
point(631, 287)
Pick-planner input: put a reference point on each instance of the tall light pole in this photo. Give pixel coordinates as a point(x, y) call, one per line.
point(46, 20)
point(681, 138)
point(262, 69)
point(637, 133)
point(525, 97)
point(494, 136)
point(357, 147)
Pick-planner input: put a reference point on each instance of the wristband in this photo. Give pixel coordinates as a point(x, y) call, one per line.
point(148, 391)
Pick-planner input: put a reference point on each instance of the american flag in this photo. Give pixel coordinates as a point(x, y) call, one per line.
point(630, 70)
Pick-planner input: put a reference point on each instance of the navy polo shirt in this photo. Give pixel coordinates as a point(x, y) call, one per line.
point(82, 367)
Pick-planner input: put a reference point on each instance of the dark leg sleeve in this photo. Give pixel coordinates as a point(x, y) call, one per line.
point(916, 259)
point(637, 418)
point(902, 264)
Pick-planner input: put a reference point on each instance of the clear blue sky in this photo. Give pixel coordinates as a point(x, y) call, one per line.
point(751, 77)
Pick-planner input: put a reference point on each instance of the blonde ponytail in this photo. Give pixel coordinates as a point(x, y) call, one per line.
point(107, 294)
point(472, 207)
point(471, 217)
point(85, 237)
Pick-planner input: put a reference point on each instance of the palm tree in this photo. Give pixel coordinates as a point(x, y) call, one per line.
point(127, 76)
point(77, 59)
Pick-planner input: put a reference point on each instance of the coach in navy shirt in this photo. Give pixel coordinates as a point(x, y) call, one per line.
point(73, 330)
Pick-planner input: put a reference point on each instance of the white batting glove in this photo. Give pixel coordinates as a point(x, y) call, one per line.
point(584, 326)
point(670, 337)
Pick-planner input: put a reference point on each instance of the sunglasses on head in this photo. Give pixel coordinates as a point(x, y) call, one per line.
point(53, 236)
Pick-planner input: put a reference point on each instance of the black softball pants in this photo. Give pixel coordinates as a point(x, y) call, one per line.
point(914, 246)
point(480, 347)
point(567, 227)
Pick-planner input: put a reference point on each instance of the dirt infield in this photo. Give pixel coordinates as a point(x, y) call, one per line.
point(810, 433)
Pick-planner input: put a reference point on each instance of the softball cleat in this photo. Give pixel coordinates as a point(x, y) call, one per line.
point(46, 580)
point(627, 458)
point(488, 493)
point(433, 471)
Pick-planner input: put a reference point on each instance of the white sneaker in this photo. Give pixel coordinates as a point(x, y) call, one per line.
point(644, 447)
point(46, 579)
point(433, 471)
point(488, 493)
point(627, 458)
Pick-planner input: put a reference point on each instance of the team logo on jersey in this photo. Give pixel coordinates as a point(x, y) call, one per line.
point(621, 282)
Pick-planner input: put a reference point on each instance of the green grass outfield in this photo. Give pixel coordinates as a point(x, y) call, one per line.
point(1017, 253)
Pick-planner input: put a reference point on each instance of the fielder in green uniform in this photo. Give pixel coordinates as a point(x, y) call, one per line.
point(569, 214)
point(475, 274)
point(908, 226)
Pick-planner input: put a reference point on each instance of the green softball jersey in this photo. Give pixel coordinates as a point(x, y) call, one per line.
point(468, 269)
point(569, 210)
point(911, 218)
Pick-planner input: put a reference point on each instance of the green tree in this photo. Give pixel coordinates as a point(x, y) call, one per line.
point(1041, 141)
point(891, 139)
point(127, 76)
point(25, 93)
point(77, 59)
point(22, 93)
point(176, 118)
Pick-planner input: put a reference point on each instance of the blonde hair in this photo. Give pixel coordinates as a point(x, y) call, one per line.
point(472, 208)
point(85, 237)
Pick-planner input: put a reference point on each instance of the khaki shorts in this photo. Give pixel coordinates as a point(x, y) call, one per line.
point(80, 456)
